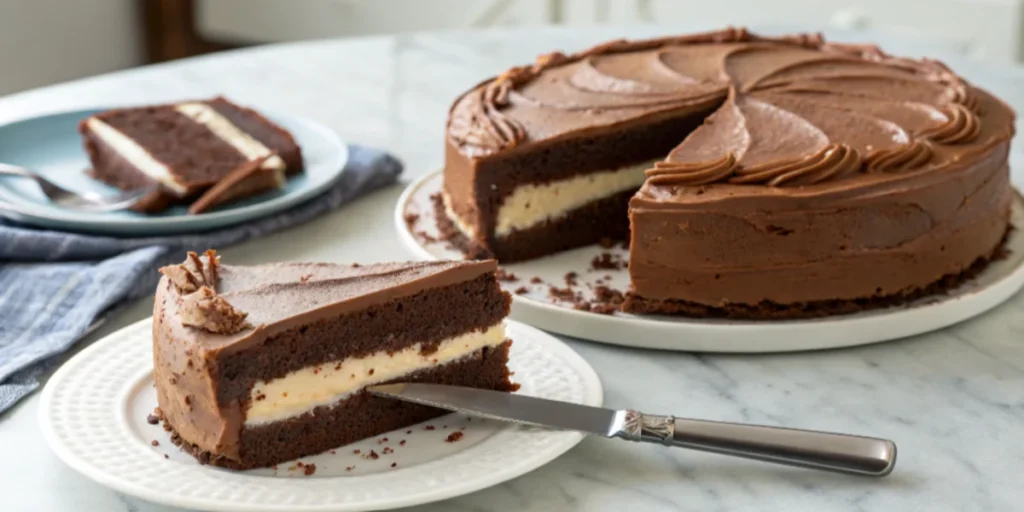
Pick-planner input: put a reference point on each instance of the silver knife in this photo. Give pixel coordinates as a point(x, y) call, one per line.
point(804, 448)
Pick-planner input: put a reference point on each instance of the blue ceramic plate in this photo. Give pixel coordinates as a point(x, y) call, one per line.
point(51, 146)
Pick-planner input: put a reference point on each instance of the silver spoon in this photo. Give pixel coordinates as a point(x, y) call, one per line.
point(88, 201)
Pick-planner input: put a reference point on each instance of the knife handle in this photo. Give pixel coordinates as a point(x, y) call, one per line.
point(804, 448)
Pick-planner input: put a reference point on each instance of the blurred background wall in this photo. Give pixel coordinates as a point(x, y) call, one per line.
point(48, 41)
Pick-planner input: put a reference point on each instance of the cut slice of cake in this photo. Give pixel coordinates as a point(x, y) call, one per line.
point(201, 152)
point(260, 365)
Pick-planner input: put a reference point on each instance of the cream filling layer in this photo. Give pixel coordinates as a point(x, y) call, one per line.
point(303, 390)
point(244, 143)
point(136, 155)
point(530, 205)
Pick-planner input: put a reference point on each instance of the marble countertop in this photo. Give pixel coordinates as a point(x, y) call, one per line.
point(953, 400)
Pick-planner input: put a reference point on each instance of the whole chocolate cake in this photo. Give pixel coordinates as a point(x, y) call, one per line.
point(260, 365)
point(755, 177)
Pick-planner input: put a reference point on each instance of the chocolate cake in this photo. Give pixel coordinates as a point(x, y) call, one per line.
point(754, 177)
point(202, 153)
point(259, 365)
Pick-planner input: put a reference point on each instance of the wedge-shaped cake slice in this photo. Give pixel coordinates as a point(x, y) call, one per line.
point(260, 365)
point(202, 153)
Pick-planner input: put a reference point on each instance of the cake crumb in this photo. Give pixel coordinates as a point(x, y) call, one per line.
point(167, 456)
point(155, 442)
point(337, 367)
point(607, 300)
point(309, 469)
point(152, 419)
point(425, 237)
point(453, 437)
point(428, 427)
point(401, 443)
point(408, 431)
point(570, 278)
point(563, 294)
point(370, 372)
point(349, 468)
point(356, 265)
point(536, 280)
point(305, 278)
point(356, 452)
point(411, 218)
point(260, 396)
point(382, 440)
point(503, 275)
point(393, 464)
point(373, 455)
point(522, 290)
point(607, 261)
point(188, 401)
point(387, 450)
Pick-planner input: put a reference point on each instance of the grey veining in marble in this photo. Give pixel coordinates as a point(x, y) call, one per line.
point(953, 400)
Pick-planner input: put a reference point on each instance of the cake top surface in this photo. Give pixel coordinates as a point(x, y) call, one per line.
point(780, 112)
point(222, 306)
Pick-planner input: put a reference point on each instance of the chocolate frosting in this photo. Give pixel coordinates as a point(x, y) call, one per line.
point(270, 299)
point(793, 111)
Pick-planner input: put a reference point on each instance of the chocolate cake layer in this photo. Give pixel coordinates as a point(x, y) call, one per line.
point(196, 156)
point(603, 219)
point(262, 129)
point(120, 173)
point(425, 318)
point(358, 417)
point(477, 188)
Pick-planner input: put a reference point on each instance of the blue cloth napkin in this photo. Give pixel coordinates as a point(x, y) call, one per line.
point(54, 285)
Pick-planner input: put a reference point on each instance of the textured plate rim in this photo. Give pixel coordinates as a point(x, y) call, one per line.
point(51, 217)
point(720, 336)
point(561, 441)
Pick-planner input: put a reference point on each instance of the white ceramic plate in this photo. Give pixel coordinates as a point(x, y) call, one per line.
point(50, 145)
point(94, 410)
point(1000, 280)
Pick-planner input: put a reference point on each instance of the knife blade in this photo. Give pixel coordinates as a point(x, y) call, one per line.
point(828, 451)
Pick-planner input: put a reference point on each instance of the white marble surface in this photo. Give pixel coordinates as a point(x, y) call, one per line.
point(953, 400)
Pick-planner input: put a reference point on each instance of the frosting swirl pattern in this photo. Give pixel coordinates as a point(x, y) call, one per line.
point(788, 111)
